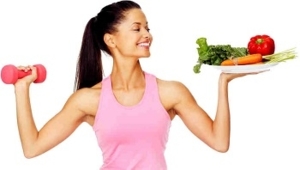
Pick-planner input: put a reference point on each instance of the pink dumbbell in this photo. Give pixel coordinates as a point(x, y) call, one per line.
point(10, 74)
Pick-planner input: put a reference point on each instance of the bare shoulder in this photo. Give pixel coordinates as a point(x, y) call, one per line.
point(172, 92)
point(87, 99)
point(171, 86)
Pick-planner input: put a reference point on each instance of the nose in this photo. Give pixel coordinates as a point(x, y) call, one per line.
point(147, 34)
point(147, 37)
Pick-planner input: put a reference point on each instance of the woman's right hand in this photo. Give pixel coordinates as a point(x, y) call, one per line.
point(27, 80)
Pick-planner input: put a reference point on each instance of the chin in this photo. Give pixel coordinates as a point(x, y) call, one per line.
point(147, 56)
point(144, 55)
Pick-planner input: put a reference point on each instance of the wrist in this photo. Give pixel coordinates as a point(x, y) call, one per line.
point(223, 80)
point(223, 85)
point(21, 87)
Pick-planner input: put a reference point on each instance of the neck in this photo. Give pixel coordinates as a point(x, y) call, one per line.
point(127, 75)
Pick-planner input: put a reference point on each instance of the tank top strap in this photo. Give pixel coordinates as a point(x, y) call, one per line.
point(106, 90)
point(152, 89)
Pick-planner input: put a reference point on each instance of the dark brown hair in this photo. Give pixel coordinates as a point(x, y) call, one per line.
point(89, 70)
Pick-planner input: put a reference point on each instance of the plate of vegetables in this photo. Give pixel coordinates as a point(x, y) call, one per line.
point(259, 55)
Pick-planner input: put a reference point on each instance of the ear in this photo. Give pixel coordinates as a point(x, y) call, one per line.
point(109, 40)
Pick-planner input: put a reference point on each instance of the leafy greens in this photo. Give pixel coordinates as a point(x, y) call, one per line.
point(215, 54)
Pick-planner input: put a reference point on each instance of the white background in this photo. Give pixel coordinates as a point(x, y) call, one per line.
point(265, 107)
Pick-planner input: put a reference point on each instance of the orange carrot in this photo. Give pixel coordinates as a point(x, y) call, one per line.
point(248, 59)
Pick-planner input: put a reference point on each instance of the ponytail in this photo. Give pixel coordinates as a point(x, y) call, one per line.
point(89, 70)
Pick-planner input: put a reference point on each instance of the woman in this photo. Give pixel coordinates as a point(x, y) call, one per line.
point(130, 110)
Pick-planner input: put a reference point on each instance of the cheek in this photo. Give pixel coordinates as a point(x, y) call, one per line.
point(127, 46)
point(128, 40)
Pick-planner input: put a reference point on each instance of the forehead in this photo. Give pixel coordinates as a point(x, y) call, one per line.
point(135, 16)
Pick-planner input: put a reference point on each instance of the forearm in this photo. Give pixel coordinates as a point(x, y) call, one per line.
point(26, 125)
point(221, 124)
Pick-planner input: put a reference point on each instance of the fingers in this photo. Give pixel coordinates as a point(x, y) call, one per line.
point(258, 72)
point(231, 76)
point(33, 71)
point(263, 71)
point(24, 68)
point(248, 73)
point(29, 68)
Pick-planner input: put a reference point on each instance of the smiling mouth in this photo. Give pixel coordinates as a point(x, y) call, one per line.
point(144, 44)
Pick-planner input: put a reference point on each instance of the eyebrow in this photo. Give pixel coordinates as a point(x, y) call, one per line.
point(139, 23)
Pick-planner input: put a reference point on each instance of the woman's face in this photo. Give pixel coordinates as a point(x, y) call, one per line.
point(132, 38)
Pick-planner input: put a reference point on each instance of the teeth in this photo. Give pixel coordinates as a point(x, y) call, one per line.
point(144, 44)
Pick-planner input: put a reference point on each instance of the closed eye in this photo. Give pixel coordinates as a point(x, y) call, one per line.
point(140, 29)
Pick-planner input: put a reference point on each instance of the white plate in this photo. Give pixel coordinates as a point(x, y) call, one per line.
point(244, 68)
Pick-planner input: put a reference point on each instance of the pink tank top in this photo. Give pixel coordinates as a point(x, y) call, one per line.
point(132, 137)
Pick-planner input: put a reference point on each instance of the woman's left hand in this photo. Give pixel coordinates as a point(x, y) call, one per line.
point(230, 76)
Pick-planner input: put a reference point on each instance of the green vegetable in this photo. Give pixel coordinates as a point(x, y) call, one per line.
point(215, 54)
point(281, 56)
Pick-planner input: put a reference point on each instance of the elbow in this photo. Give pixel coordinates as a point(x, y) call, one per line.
point(29, 154)
point(222, 150)
point(222, 147)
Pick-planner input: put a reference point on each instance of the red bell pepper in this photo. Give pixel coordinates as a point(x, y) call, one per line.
point(262, 44)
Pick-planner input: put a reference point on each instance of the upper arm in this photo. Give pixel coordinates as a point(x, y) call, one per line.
point(192, 115)
point(63, 124)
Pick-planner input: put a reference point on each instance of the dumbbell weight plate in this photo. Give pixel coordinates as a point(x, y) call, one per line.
point(9, 74)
